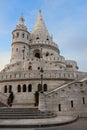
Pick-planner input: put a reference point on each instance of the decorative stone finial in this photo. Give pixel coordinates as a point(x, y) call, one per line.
point(21, 20)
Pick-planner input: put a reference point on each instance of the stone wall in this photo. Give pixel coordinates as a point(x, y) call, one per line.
point(69, 99)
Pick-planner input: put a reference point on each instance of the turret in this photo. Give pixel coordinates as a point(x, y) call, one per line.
point(20, 42)
point(41, 37)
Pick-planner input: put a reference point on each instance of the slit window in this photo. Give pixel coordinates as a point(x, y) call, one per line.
point(39, 87)
point(5, 89)
point(59, 107)
point(16, 49)
point(83, 100)
point(17, 35)
point(19, 88)
point(10, 88)
point(29, 88)
point(45, 87)
point(30, 67)
point(24, 88)
point(23, 35)
point(72, 104)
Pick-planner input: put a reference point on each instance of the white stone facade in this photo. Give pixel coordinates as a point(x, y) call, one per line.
point(64, 86)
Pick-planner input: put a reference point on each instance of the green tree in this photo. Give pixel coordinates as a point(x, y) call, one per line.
point(36, 98)
point(10, 99)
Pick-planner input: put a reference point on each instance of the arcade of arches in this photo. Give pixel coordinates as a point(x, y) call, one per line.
point(25, 88)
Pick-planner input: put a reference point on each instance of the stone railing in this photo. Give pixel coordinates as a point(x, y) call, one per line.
point(67, 84)
point(45, 43)
point(35, 74)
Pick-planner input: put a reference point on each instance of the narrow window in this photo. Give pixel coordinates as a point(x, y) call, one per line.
point(81, 84)
point(38, 68)
point(47, 38)
point(37, 37)
point(45, 87)
point(5, 89)
point(59, 107)
point(47, 54)
point(83, 100)
point(30, 67)
point(24, 88)
point(19, 88)
point(16, 49)
point(23, 35)
point(39, 87)
point(72, 104)
point(29, 88)
point(17, 34)
point(10, 88)
point(27, 37)
point(37, 55)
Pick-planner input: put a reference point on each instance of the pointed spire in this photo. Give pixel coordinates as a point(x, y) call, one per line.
point(40, 25)
point(21, 24)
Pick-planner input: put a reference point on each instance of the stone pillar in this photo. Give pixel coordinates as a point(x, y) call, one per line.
point(42, 102)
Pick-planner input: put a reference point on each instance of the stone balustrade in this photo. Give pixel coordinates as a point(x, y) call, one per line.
point(34, 74)
point(45, 43)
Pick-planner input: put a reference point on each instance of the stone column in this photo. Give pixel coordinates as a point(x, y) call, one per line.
point(42, 102)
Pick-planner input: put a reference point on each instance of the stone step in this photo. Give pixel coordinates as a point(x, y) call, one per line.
point(25, 116)
point(18, 109)
point(24, 113)
point(2, 105)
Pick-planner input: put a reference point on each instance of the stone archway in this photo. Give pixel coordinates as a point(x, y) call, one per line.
point(37, 53)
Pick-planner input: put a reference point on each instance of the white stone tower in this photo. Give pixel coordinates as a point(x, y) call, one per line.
point(20, 42)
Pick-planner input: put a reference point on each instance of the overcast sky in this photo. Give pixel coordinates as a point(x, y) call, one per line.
point(66, 20)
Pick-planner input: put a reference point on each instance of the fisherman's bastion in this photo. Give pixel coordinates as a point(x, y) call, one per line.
point(38, 76)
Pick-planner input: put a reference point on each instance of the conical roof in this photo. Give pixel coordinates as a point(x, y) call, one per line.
point(21, 24)
point(40, 29)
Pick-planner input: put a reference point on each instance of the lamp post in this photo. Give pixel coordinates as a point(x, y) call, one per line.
point(23, 52)
point(42, 100)
point(41, 71)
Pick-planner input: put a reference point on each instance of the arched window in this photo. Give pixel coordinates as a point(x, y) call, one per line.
point(45, 87)
point(10, 88)
point(37, 37)
point(59, 107)
point(47, 54)
point(39, 87)
point(30, 88)
point(24, 88)
point(47, 38)
point(19, 88)
point(5, 89)
point(37, 55)
point(23, 35)
point(17, 34)
point(30, 67)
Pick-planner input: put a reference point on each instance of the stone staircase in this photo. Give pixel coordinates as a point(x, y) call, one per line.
point(66, 84)
point(2, 104)
point(24, 113)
